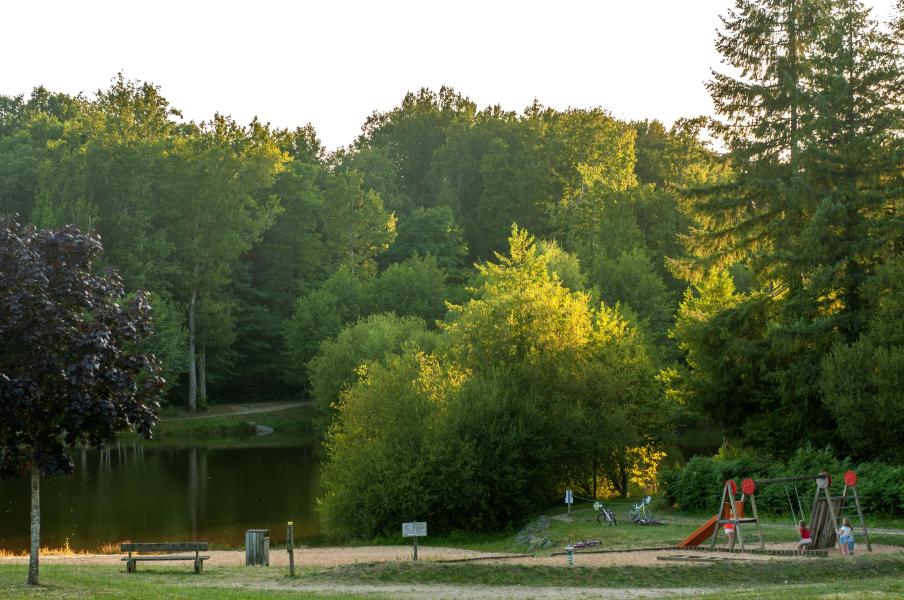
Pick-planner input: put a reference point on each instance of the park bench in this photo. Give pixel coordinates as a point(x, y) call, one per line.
point(160, 551)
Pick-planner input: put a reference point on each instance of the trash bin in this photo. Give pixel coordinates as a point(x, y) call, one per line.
point(257, 547)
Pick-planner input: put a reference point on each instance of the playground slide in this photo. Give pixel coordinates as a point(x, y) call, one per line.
point(705, 531)
point(701, 534)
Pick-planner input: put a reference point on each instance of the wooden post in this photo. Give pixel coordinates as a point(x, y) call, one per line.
point(869, 546)
point(712, 543)
point(759, 534)
point(290, 548)
point(415, 547)
point(737, 525)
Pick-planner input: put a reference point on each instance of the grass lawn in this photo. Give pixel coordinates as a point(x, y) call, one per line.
point(103, 582)
point(865, 576)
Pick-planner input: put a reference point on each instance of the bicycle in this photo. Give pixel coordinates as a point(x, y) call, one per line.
point(604, 515)
point(640, 513)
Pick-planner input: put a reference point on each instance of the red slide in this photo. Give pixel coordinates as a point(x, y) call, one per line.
point(705, 531)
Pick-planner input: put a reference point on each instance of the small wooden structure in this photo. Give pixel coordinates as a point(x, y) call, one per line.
point(163, 551)
point(257, 547)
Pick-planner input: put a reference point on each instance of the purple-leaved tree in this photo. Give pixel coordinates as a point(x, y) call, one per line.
point(70, 369)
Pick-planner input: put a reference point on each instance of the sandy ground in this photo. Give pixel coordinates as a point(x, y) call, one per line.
point(333, 556)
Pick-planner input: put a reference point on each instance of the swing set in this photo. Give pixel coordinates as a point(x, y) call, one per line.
point(826, 513)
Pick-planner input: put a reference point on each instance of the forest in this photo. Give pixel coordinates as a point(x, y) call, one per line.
point(505, 303)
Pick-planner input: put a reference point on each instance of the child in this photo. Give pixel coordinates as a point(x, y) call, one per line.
point(846, 538)
point(804, 532)
point(730, 530)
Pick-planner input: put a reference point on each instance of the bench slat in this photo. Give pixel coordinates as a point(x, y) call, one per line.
point(166, 557)
point(164, 547)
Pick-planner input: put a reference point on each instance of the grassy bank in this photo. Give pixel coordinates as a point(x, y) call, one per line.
point(291, 427)
point(728, 574)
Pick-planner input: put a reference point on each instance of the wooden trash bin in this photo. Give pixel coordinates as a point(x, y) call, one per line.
point(257, 547)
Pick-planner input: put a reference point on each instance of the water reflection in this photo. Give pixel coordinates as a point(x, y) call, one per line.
point(144, 492)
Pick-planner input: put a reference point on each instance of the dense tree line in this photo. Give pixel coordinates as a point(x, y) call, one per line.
point(755, 285)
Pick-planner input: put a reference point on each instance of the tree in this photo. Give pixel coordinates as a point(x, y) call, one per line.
point(431, 231)
point(318, 315)
point(372, 338)
point(863, 382)
point(68, 373)
point(813, 126)
point(409, 134)
point(216, 202)
point(355, 226)
point(415, 286)
point(530, 389)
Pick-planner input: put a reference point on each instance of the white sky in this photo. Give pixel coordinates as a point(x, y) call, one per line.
point(333, 63)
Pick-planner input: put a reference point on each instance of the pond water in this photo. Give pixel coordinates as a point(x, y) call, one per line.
point(144, 492)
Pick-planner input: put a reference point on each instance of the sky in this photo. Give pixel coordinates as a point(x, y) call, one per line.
point(333, 63)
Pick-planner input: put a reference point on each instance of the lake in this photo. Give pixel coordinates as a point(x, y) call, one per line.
point(146, 492)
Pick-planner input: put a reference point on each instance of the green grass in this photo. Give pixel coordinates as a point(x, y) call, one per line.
point(292, 427)
point(108, 583)
point(724, 574)
point(864, 576)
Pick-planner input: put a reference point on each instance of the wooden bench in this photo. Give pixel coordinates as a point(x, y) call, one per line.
point(159, 550)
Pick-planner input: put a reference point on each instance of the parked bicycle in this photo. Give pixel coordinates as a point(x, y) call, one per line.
point(604, 515)
point(640, 513)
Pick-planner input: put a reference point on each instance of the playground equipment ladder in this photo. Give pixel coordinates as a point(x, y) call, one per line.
point(729, 491)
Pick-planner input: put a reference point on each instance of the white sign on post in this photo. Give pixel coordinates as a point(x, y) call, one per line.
point(414, 529)
point(569, 498)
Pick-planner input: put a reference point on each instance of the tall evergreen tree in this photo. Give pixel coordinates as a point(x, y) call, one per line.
point(811, 124)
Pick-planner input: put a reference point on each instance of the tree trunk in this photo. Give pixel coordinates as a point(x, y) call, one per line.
point(202, 374)
point(795, 79)
point(192, 371)
point(35, 525)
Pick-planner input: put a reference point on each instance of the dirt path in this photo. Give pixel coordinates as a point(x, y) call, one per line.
point(335, 556)
point(232, 410)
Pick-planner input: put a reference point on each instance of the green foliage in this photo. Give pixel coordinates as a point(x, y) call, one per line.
point(812, 119)
point(370, 339)
point(863, 382)
point(430, 231)
point(565, 265)
point(415, 286)
point(169, 341)
point(530, 389)
point(319, 315)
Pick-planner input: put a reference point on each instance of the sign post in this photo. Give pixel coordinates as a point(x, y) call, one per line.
point(414, 530)
point(569, 500)
point(290, 547)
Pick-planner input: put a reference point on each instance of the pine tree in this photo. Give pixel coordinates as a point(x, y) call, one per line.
point(812, 126)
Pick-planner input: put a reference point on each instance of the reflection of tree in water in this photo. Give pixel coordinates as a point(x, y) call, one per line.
point(127, 455)
point(197, 488)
